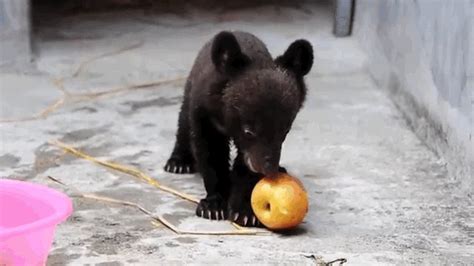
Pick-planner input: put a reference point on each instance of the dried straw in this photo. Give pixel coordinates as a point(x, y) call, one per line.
point(131, 171)
point(79, 97)
point(124, 169)
point(158, 218)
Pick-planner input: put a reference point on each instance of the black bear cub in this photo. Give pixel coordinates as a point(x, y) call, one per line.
point(237, 92)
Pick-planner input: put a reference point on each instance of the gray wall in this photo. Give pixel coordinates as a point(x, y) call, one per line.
point(422, 53)
point(15, 46)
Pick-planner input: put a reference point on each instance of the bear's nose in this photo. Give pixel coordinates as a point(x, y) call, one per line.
point(269, 166)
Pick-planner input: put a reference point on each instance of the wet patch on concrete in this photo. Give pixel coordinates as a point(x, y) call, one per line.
point(8, 161)
point(84, 134)
point(158, 102)
point(85, 109)
point(75, 218)
point(148, 125)
point(46, 157)
point(148, 250)
point(58, 257)
point(111, 244)
point(186, 240)
point(171, 244)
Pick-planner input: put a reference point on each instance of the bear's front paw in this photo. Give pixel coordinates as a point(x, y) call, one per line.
point(179, 165)
point(212, 207)
point(244, 216)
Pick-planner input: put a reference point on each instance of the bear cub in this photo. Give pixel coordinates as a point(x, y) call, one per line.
point(236, 92)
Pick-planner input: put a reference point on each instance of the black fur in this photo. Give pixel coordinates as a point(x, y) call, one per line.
point(236, 91)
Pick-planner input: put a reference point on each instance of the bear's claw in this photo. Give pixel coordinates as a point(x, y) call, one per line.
point(212, 208)
point(177, 165)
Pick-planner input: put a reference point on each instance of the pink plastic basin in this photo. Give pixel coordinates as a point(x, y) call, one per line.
point(29, 214)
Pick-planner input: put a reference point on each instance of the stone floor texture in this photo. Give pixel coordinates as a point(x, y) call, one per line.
point(111, 83)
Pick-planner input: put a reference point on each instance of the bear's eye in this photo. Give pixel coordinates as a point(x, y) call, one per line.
point(249, 133)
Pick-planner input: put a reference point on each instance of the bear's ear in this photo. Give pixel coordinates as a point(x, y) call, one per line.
point(226, 53)
point(298, 58)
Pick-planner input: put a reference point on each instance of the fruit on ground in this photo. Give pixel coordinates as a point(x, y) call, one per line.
point(279, 202)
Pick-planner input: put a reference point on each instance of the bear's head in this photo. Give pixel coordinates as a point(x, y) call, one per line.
point(260, 105)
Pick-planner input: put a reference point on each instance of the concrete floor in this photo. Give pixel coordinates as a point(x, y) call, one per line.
point(377, 194)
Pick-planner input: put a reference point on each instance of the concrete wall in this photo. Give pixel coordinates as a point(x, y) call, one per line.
point(422, 53)
point(15, 45)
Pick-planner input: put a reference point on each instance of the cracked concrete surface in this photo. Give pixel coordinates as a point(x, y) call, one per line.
point(377, 194)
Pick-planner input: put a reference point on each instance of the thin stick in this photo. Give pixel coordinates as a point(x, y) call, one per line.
point(186, 232)
point(51, 108)
point(57, 181)
point(158, 218)
point(79, 97)
point(59, 83)
point(133, 172)
point(125, 169)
